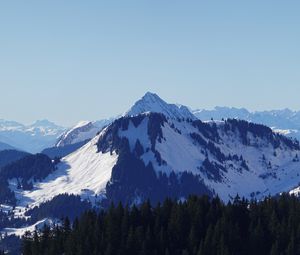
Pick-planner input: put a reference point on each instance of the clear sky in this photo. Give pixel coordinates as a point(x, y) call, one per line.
point(72, 60)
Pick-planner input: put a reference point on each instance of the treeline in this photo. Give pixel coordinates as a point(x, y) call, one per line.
point(56, 208)
point(200, 226)
point(261, 131)
point(60, 206)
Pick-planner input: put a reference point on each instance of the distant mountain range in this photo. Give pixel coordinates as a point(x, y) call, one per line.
point(32, 138)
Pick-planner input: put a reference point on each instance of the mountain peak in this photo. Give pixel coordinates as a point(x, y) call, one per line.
point(151, 102)
point(151, 96)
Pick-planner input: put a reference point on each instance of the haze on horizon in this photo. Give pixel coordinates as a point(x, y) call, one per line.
point(68, 61)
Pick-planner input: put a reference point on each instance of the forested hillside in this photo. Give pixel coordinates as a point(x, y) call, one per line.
point(9, 156)
point(200, 226)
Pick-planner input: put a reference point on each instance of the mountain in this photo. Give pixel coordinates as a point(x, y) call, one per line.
point(83, 131)
point(5, 146)
point(151, 102)
point(75, 137)
point(152, 156)
point(156, 150)
point(32, 138)
point(284, 121)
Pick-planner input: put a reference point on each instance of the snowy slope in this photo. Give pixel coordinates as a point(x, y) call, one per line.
point(151, 102)
point(21, 231)
point(84, 172)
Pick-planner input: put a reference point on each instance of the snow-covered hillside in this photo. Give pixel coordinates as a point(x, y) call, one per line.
point(84, 172)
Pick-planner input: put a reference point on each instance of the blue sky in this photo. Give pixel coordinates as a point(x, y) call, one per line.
point(72, 60)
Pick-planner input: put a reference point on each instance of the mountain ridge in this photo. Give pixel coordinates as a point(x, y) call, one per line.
point(44, 134)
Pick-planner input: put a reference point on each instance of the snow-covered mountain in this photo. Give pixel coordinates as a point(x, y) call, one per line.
point(157, 150)
point(226, 157)
point(151, 102)
point(152, 156)
point(75, 137)
point(83, 131)
point(32, 138)
point(284, 121)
